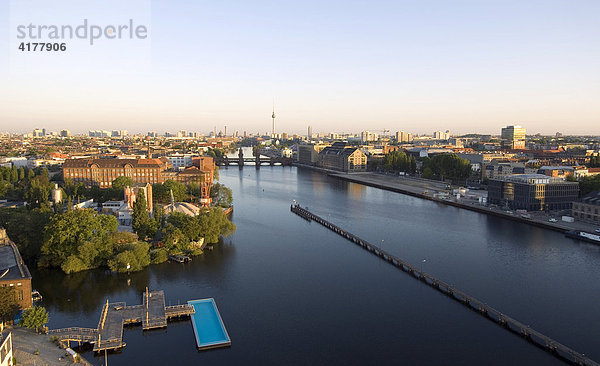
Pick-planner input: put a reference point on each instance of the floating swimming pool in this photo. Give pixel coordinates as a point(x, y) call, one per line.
point(208, 326)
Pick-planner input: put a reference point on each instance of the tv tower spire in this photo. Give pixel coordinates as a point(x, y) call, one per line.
point(273, 116)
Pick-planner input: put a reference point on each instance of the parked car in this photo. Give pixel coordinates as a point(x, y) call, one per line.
point(553, 220)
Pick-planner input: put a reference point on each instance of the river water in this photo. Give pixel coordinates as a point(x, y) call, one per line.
point(294, 293)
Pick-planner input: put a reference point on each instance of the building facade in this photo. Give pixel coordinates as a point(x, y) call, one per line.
point(308, 154)
point(343, 158)
point(102, 172)
point(588, 209)
point(14, 272)
point(513, 137)
point(532, 192)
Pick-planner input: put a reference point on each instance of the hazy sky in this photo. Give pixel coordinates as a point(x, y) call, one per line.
point(418, 66)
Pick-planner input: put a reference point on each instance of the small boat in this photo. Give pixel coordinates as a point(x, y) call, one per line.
point(582, 235)
point(180, 258)
point(35, 295)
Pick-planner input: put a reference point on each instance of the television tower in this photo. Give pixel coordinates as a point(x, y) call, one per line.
point(273, 116)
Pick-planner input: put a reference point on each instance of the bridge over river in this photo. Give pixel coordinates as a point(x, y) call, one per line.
point(257, 160)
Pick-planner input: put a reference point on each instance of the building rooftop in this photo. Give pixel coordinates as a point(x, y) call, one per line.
point(592, 198)
point(11, 263)
point(183, 207)
point(534, 179)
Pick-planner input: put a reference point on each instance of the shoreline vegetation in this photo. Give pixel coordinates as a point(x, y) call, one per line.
point(74, 240)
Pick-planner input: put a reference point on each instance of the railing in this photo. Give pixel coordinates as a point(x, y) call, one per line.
point(549, 344)
point(75, 333)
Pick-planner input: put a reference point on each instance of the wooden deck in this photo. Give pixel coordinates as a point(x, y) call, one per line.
point(152, 314)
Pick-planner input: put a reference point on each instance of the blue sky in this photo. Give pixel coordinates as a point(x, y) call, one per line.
point(418, 66)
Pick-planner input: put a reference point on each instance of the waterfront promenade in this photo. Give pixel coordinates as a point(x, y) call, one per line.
point(425, 189)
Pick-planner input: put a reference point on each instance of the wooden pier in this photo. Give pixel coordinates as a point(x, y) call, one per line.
point(152, 314)
point(550, 345)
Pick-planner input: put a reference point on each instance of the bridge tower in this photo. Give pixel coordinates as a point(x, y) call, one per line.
point(257, 158)
point(241, 159)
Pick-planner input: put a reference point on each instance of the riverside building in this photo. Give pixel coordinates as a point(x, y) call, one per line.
point(532, 192)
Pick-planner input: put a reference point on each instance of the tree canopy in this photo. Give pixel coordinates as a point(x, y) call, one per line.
point(34, 318)
point(9, 306)
point(77, 240)
point(446, 165)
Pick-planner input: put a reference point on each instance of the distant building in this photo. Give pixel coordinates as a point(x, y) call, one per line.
point(179, 160)
point(343, 158)
point(308, 154)
point(439, 135)
point(403, 137)
point(557, 171)
point(65, 133)
point(513, 137)
point(13, 271)
point(532, 192)
point(367, 136)
point(588, 209)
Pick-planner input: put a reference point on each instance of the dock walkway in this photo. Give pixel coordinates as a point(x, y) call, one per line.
point(550, 345)
point(152, 313)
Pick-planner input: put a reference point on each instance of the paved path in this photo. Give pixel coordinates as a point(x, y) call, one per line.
point(26, 342)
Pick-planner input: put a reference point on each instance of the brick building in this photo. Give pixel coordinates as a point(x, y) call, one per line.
point(13, 272)
point(102, 172)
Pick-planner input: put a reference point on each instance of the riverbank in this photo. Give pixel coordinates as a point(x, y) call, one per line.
point(30, 348)
point(425, 189)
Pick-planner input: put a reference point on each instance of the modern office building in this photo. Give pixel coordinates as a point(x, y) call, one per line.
point(513, 137)
point(532, 192)
point(588, 208)
point(341, 157)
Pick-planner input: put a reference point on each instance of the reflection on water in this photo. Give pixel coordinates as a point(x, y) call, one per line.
point(292, 292)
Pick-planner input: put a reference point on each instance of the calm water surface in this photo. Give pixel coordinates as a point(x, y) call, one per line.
point(291, 292)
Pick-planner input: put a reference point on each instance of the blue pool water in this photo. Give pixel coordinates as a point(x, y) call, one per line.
point(208, 326)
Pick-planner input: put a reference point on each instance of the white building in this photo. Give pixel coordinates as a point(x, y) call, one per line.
point(179, 160)
point(367, 136)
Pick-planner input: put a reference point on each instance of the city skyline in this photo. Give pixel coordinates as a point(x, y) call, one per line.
point(469, 67)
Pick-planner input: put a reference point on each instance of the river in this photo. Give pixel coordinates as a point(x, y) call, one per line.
point(291, 292)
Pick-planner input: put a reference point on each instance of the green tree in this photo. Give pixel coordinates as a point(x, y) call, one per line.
point(79, 233)
point(14, 175)
point(21, 173)
point(121, 182)
point(221, 195)
point(34, 318)
point(448, 166)
point(589, 184)
point(142, 224)
point(214, 224)
point(136, 255)
point(8, 304)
